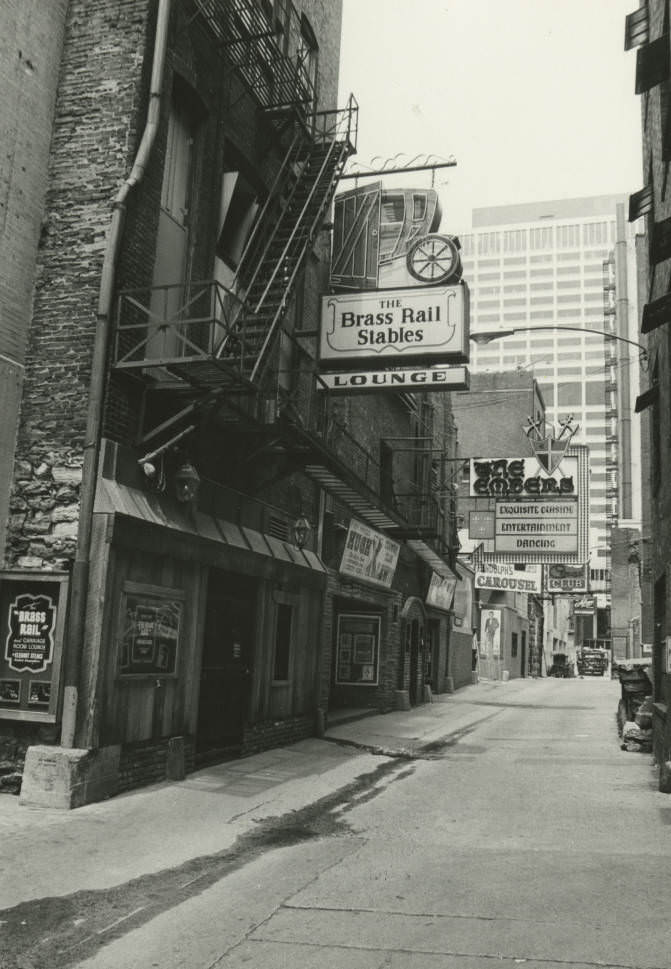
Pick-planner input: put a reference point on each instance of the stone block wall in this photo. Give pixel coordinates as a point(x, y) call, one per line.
point(31, 37)
point(92, 143)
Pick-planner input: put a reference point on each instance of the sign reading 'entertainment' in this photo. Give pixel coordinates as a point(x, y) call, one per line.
point(537, 526)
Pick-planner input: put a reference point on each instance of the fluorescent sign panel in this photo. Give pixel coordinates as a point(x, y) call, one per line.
point(427, 378)
point(394, 327)
point(539, 518)
point(537, 526)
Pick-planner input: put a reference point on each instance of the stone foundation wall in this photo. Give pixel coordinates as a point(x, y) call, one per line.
point(278, 733)
point(147, 763)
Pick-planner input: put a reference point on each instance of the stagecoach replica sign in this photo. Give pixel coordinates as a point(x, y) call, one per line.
point(391, 328)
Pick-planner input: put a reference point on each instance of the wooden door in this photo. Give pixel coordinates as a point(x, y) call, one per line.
point(172, 239)
point(226, 671)
point(356, 238)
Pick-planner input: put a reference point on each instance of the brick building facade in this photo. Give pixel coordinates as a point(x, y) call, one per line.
point(171, 434)
point(647, 31)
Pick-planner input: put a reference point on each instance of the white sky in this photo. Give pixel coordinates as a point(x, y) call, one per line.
point(534, 98)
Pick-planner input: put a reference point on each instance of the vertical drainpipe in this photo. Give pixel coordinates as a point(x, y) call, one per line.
point(81, 565)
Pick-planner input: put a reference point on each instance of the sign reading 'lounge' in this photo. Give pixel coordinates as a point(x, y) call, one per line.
point(391, 327)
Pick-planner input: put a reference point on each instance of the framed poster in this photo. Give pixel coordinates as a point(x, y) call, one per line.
point(357, 649)
point(32, 620)
point(490, 633)
point(150, 627)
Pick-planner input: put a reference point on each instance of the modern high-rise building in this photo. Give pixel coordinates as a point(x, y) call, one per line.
point(546, 271)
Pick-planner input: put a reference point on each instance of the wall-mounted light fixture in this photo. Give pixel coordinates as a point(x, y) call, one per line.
point(301, 531)
point(187, 483)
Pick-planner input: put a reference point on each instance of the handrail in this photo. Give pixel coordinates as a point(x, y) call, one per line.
point(317, 219)
point(297, 223)
point(270, 198)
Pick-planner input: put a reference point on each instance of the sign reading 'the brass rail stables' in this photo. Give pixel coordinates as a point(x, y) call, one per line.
point(391, 327)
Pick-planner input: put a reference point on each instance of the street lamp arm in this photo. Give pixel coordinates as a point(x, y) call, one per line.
point(487, 336)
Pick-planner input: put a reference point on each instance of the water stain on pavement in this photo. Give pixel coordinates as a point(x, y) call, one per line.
point(60, 932)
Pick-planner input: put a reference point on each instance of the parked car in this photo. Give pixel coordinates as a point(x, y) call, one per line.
point(562, 666)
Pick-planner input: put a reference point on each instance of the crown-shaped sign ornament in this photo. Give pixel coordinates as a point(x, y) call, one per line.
point(549, 441)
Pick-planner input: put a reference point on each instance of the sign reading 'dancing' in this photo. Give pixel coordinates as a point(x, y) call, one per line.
point(368, 555)
point(537, 526)
point(522, 478)
point(391, 327)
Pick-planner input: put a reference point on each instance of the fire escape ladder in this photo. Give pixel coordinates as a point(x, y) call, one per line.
point(290, 220)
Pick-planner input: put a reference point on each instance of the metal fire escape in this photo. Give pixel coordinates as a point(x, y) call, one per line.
point(215, 339)
point(214, 348)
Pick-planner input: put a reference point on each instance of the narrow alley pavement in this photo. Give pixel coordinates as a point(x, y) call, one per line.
point(503, 825)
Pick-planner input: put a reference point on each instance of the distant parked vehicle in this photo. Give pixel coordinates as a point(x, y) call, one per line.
point(592, 662)
point(561, 666)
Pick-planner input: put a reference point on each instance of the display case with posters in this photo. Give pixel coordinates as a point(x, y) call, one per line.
point(358, 648)
point(32, 619)
point(149, 633)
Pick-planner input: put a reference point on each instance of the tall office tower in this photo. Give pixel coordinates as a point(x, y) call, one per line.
point(547, 270)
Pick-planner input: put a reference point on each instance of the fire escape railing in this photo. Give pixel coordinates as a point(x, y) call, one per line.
point(163, 325)
point(268, 46)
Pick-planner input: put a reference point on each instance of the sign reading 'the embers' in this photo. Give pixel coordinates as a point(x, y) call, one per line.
point(390, 327)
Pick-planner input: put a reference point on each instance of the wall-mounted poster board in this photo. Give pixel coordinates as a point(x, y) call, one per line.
point(32, 620)
point(358, 650)
point(151, 620)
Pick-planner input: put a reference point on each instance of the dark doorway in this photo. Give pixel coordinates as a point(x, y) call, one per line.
point(226, 671)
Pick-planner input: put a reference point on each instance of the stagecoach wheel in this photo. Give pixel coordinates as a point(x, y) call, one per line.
point(434, 259)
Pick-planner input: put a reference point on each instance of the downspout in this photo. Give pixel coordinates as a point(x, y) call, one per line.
point(81, 565)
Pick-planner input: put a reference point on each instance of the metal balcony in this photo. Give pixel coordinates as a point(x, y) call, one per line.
point(268, 44)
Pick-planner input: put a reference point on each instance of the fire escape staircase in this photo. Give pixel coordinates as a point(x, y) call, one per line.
point(217, 340)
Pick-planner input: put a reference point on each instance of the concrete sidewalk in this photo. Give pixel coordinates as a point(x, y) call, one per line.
point(49, 852)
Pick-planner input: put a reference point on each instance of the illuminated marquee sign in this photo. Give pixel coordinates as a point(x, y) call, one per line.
point(537, 507)
point(395, 327)
point(522, 478)
point(537, 526)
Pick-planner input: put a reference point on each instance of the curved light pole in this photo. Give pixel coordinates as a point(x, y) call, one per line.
point(488, 336)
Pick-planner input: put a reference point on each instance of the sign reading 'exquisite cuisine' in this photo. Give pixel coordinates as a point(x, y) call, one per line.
point(389, 327)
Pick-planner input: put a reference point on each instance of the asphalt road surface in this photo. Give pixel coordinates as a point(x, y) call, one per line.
point(528, 838)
